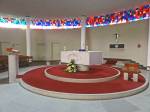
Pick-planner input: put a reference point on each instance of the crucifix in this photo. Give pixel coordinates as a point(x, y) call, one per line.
point(116, 37)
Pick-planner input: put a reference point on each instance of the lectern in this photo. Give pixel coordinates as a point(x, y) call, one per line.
point(13, 66)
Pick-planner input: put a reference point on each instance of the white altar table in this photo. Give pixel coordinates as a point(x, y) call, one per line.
point(82, 57)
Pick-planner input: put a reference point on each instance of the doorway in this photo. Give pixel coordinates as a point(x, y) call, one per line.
point(40, 51)
point(55, 50)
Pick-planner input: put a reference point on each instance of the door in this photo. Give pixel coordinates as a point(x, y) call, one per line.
point(55, 51)
point(40, 51)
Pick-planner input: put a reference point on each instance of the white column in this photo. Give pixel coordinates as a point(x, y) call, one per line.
point(148, 53)
point(28, 38)
point(12, 67)
point(83, 33)
point(47, 51)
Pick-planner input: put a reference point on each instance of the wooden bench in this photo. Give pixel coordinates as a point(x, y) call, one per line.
point(23, 61)
point(3, 62)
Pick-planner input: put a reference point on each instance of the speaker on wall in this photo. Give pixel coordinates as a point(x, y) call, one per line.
point(116, 46)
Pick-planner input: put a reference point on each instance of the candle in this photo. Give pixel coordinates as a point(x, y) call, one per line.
point(125, 76)
point(86, 48)
point(64, 48)
point(135, 77)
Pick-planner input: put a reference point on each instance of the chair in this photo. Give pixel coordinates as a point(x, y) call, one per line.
point(131, 68)
point(131, 71)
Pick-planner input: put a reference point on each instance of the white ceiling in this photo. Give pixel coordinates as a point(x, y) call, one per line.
point(65, 8)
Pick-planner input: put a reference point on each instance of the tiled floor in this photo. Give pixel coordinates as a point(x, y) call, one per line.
point(14, 98)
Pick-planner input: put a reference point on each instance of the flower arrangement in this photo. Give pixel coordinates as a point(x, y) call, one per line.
point(71, 67)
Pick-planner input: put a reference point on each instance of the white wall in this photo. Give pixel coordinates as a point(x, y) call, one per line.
point(99, 38)
point(16, 38)
point(12, 38)
point(68, 38)
point(148, 53)
point(37, 44)
point(131, 34)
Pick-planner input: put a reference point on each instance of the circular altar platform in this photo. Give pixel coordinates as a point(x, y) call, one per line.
point(94, 75)
point(36, 81)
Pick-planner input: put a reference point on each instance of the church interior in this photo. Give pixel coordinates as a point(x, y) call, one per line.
point(74, 56)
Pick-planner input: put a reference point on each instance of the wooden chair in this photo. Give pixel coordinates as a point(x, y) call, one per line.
point(131, 68)
point(131, 71)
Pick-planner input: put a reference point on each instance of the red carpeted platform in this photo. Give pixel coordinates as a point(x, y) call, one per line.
point(36, 78)
point(96, 71)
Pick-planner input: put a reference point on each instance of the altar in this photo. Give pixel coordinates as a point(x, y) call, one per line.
point(82, 57)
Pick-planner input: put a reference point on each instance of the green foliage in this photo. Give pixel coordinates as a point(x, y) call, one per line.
point(71, 67)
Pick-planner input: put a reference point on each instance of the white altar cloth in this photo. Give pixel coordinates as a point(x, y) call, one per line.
point(82, 57)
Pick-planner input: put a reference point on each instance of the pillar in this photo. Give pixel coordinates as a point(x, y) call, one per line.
point(28, 38)
point(148, 53)
point(47, 51)
point(83, 33)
